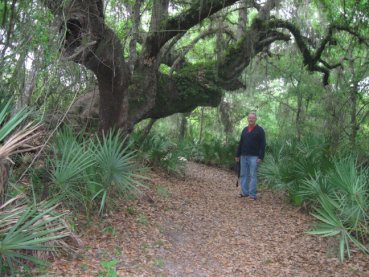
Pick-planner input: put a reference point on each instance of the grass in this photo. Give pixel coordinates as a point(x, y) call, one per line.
point(132, 210)
point(109, 268)
point(142, 219)
point(162, 191)
point(109, 230)
point(159, 262)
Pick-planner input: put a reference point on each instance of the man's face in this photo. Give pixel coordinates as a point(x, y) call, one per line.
point(251, 118)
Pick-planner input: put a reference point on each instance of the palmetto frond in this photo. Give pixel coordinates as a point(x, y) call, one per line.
point(115, 170)
point(29, 230)
point(17, 143)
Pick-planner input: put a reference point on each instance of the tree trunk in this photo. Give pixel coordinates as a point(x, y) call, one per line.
point(29, 83)
point(334, 119)
point(353, 119)
point(4, 174)
point(353, 102)
point(147, 130)
point(124, 98)
point(183, 126)
point(299, 115)
point(201, 124)
point(224, 109)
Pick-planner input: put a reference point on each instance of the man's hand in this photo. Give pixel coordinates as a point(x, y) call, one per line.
point(259, 161)
point(237, 159)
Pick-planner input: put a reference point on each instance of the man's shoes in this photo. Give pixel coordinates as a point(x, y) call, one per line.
point(241, 195)
point(252, 198)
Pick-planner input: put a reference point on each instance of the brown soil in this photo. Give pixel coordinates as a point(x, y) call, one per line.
point(199, 226)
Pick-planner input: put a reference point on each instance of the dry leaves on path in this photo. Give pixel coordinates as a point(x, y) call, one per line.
point(198, 226)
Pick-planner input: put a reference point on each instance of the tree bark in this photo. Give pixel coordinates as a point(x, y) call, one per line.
point(299, 115)
point(132, 91)
point(201, 124)
point(88, 41)
point(353, 102)
point(225, 118)
point(183, 126)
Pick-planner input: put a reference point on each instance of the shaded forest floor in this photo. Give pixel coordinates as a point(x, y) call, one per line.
point(199, 226)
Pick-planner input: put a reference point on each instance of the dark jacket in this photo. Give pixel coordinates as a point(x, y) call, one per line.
point(253, 143)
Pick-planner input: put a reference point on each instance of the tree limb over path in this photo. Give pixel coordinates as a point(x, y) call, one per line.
point(172, 26)
point(135, 90)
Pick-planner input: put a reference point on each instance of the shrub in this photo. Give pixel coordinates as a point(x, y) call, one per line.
point(158, 150)
point(336, 188)
point(25, 228)
point(89, 172)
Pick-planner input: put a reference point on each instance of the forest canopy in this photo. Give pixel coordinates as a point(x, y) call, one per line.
point(151, 59)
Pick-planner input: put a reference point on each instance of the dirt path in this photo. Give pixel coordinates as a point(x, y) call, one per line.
point(200, 227)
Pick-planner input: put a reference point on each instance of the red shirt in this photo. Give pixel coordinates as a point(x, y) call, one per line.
point(250, 128)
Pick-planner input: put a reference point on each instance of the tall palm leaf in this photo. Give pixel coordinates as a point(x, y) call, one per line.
point(352, 194)
point(115, 167)
point(69, 161)
point(9, 125)
point(313, 187)
point(331, 225)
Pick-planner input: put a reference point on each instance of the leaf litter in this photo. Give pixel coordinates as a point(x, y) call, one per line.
point(199, 226)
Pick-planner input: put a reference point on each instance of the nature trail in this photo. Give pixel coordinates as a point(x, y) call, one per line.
point(199, 226)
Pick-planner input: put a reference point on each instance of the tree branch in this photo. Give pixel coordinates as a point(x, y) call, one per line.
point(135, 35)
point(181, 94)
point(200, 10)
point(257, 38)
point(192, 44)
point(311, 60)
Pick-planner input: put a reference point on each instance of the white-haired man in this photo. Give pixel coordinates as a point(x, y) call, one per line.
point(250, 153)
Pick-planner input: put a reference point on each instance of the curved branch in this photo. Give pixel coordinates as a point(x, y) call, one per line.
point(327, 65)
point(255, 40)
point(200, 10)
point(192, 44)
point(311, 60)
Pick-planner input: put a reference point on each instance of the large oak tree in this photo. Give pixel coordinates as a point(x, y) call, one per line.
point(132, 89)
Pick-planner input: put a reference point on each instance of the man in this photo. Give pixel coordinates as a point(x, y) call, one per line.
point(250, 153)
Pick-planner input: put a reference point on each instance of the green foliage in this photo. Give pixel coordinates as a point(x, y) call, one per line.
point(115, 170)
point(335, 187)
point(215, 151)
point(70, 160)
point(26, 229)
point(109, 268)
point(90, 172)
point(10, 124)
point(158, 150)
point(289, 162)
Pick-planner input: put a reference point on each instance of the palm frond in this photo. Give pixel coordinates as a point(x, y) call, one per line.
point(115, 169)
point(12, 123)
point(27, 229)
point(69, 161)
point(17, 142)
